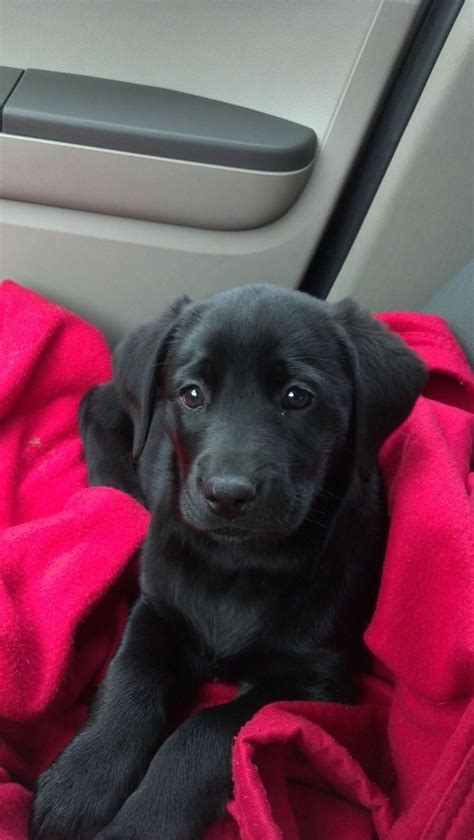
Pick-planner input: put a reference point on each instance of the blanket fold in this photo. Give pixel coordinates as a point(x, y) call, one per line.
point(398, 765)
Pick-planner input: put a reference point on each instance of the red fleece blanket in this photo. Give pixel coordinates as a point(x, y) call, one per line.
point(399, 765)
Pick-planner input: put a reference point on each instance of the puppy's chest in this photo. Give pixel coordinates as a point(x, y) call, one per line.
point(225, 625)
point(224, 621)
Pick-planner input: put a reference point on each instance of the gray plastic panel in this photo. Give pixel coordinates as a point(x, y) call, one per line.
point(8, 79)
point(153, 121)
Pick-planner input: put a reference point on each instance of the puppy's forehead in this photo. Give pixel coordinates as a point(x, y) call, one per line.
point(258, 327)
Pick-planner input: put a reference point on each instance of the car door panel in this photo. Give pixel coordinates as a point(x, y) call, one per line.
point(323, 65)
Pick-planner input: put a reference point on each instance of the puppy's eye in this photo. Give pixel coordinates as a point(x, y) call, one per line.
point(192, 396)
point(296, 398)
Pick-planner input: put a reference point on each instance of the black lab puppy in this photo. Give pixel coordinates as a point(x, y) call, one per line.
point(254, 419)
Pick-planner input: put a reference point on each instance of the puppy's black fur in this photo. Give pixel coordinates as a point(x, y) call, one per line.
point(254, 420)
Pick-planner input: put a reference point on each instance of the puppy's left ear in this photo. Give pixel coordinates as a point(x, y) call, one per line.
point(388, 376)
point(138, 363)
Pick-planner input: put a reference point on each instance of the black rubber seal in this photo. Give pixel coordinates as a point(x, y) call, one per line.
point(410, 76)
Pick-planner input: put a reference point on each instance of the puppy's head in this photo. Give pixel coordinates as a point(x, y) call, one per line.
point(265, 395)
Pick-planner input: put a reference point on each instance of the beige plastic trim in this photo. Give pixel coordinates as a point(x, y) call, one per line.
point(141, 187)
point(419, 230)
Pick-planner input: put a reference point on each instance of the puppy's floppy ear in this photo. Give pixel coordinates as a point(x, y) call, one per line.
point(138, 361)
point(388, 377)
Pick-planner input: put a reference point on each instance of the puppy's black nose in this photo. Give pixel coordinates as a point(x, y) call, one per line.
point(230, 495)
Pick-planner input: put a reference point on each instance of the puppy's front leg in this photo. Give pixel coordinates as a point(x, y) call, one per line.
point(189, 781)
point(84, 788)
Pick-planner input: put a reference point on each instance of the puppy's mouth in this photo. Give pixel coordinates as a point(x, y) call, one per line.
point(242, 532)
point(230, 536)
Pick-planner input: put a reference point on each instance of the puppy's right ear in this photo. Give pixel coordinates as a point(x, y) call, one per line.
point(138, 362)
point(388, 377)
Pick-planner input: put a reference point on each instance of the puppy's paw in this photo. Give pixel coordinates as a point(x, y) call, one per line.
point(121, 830)
point(140, 820)
point(130, 830)
point(74, 798)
